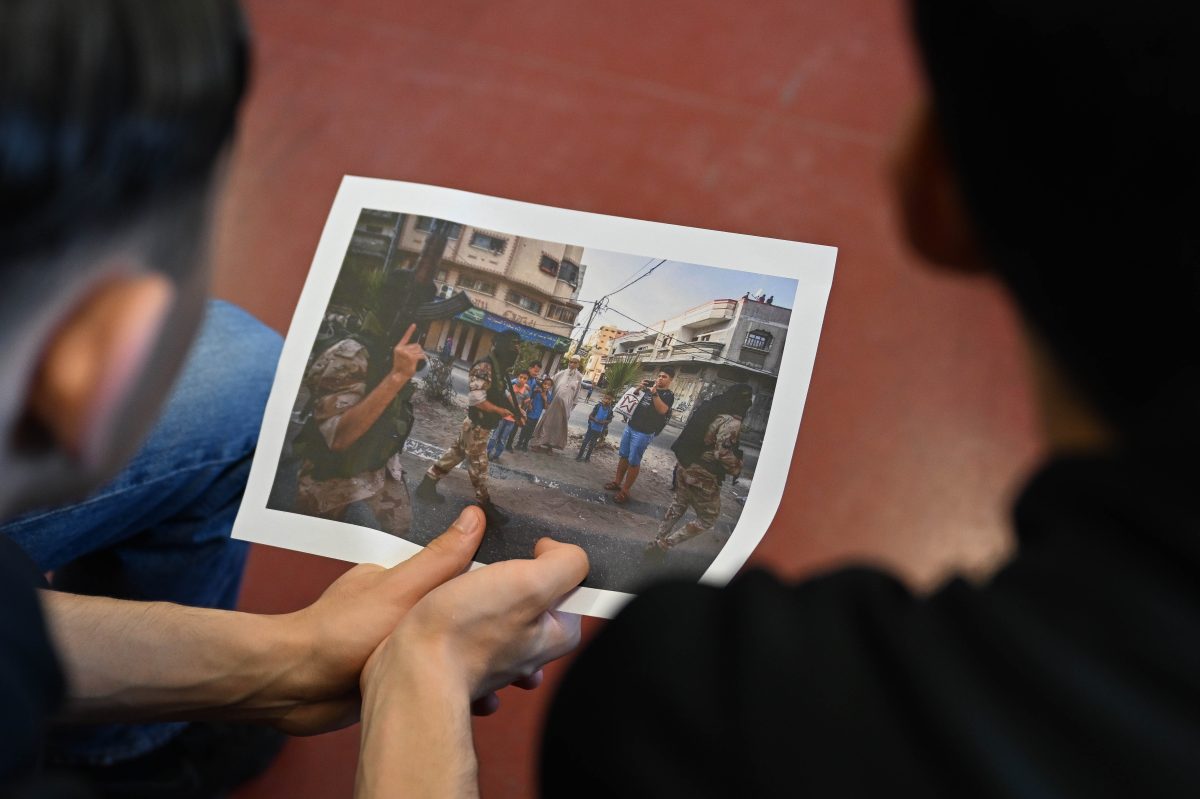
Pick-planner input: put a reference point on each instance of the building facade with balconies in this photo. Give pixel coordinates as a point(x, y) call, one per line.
point(713, 346)
point(599, 347)
point(515, 283)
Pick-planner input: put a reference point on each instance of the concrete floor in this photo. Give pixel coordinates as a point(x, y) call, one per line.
point(773, 119)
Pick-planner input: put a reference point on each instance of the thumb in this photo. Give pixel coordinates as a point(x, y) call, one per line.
point(560, 568)
point(443, 558)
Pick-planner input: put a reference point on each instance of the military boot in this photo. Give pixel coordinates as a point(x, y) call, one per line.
point(427, 491)
point(495, 517)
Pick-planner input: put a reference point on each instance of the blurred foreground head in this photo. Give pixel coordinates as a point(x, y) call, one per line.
point(1071, 130)
point(114, 115)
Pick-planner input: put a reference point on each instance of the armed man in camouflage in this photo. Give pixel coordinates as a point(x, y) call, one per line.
point(358, 455)
point(490, 398)
point(707, 451)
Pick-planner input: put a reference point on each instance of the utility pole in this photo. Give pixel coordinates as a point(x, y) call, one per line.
point(596, 307)
point(391, 250)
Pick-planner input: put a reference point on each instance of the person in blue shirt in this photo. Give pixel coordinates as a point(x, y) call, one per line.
point(539, 400)
point(598, 422)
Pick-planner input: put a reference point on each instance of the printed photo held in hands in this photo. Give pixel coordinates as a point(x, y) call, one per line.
point(630, 387)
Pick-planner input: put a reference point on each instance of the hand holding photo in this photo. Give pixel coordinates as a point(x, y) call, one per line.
point(607, 382)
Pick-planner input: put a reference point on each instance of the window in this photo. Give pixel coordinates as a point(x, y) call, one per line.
point(529, 304)
point(425, 224)
point(569, 271)
point(562, 313)
point(493, 244)
point(482, 286)
point(758, 340)
point(548, 265)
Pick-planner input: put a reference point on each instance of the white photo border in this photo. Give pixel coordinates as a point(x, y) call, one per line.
point(810, 265)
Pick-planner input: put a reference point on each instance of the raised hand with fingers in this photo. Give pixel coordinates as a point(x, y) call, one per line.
point(407, 355)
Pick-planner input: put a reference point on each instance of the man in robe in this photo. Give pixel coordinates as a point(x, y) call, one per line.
point(551, 431)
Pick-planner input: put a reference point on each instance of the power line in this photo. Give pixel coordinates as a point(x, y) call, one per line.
point(639, 269)
point(601, 305)
point(636, 279)
point(633, 278)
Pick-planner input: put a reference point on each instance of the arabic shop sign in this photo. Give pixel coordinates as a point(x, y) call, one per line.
point(498, 324)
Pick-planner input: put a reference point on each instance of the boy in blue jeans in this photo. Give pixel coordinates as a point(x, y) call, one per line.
point(504, 430)
point(539, 400)
point(598, 422)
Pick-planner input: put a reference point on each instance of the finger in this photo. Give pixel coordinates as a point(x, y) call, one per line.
point(485, 705)
point(443, 558)
point(559, 568)
point(407, 335)
point(531, 682)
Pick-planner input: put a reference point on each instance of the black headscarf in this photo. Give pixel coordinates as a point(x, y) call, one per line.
point(734, 401)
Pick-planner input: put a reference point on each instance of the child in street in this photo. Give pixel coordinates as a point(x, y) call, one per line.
point(539, 399)
point(598, 421)
point(504, 430)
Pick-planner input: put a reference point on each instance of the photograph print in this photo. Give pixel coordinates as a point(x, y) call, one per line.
point(616, 401)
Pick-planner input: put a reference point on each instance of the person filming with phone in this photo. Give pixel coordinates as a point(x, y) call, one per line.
point(649, 417)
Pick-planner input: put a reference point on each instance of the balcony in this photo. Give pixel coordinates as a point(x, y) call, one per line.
point(710, 313)
point(367, 243)
point(679, 351)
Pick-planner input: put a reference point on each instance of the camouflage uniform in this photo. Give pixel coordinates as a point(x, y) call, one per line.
point(337, 380)
point(473, 438)
point(698, 487)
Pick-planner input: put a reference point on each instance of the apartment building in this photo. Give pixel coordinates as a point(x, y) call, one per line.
point(515, 283)
point(599, 347)
point(712, 346)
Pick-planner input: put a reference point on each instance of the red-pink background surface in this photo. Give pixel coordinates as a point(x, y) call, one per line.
point(773, 118)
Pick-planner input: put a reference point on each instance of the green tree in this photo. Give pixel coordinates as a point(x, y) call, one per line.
point(620, 375)
point(436, 381)
point(527, 353)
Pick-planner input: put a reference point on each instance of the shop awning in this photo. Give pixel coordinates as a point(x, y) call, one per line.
point(499, 324)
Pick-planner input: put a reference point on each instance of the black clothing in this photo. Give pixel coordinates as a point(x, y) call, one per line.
point(1074, 672)
point(691, 442)
point(31, 685)
point(645, 419)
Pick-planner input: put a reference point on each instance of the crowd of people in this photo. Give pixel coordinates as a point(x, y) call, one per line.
point(527, 412)
point(710, 451)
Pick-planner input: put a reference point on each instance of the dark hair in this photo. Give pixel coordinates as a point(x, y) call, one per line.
point(523, 372)
point(106, 106)
point(669, 371)
point(1072, 131)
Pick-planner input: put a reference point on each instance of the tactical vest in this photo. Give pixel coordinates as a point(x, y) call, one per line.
point(382, 440)
point(497, 395)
